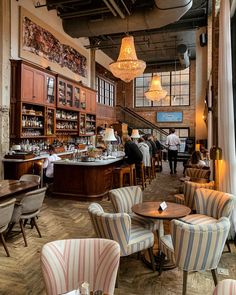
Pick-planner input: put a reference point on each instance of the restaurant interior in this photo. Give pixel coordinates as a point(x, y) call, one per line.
point(117, 131)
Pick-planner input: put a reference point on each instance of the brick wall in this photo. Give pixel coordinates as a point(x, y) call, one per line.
point(125, 97)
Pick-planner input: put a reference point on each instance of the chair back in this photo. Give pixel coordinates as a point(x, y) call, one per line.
point(124, 198)
point(214, 203)
point(66, 264)
point(30, 177)
point(199, 247)
point(225, 287)
point(6, 210)
point(189, 191)
point(112, 226)
point(32, 201)
point(198, 173)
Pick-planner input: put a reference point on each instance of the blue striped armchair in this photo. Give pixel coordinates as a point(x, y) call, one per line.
point(187, 198)
point(117, 227)
point(195, 247)
point(124, 198)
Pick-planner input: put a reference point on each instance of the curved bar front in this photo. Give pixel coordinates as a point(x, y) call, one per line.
point(84, 180)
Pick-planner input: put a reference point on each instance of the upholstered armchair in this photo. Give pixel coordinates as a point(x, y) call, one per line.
point(187, 198)
point(124, 198)
point(198, 173)
point(210, 206)
point(66, 264)
point(117, 227)
point(6, 210)
point(195, 247)
point(225, 287)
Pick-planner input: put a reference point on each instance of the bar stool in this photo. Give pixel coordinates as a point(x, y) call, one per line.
point(133, 173)
point(140, 175)
point(120, 173)
point(153, 168)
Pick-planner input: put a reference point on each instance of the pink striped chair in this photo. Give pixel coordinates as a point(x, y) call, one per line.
point(225, 287)
point(66, 264)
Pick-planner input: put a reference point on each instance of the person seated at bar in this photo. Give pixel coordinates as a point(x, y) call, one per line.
point(48, 165)
point(144, 148)
point(132, 153)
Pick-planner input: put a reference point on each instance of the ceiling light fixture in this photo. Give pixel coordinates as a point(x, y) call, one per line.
point(128, 66)
point(155, 92)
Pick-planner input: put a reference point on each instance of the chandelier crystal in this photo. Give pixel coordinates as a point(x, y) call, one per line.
point(128, 66)
point(155, 92)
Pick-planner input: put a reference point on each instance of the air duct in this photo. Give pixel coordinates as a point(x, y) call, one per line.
point(163, 13)
point(183, 55)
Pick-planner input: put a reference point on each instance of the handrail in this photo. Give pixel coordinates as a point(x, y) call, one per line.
point(140, 118)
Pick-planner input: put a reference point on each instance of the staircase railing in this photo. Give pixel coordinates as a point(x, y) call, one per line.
point(141, 119)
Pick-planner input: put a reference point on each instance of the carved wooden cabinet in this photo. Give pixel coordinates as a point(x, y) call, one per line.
point(32, 84)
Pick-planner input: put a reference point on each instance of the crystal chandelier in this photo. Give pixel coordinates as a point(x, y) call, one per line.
point(155, 92)
point(127, 67)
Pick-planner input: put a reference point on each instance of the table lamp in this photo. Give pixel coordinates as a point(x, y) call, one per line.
point(109, 137)
point(135, 134)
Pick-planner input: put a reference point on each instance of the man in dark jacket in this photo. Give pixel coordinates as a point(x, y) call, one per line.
point(132, 152)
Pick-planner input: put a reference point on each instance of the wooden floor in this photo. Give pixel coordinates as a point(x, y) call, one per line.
point(62, 219)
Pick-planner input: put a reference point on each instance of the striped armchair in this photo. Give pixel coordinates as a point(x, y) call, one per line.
point(225, 287)
point(195, 247)
point(210, 206)
point(68, 263)
point(117, 227)
point(196, 173)
point(124, 198)
point(187, 198)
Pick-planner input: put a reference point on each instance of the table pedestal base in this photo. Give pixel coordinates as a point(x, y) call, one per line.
point(160, 262)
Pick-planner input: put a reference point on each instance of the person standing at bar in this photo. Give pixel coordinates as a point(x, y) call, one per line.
point(172, 142)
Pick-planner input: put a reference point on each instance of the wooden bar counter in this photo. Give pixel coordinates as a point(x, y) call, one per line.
point(84, 180)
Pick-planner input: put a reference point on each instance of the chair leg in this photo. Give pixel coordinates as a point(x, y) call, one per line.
point(117, 278)
point(228, 246)
point(23, 232)
point(36, 225)
point(185, 277)
point(4, 245)
point(10, 227)
point(213, 272)
point(150, 251)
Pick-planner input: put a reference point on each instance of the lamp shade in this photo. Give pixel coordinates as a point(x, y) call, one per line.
point(127, 67)
point(135, 133)
point(109, 135)
point(155, 91)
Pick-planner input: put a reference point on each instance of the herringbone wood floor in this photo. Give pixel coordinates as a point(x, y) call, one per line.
point(62, 219)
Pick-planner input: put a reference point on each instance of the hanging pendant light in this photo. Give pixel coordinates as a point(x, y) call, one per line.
point(128, 66)
point(155, 92)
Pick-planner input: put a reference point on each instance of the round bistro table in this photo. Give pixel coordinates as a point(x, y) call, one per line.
point(151, 210)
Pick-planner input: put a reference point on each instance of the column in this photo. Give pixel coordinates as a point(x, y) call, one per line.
point(5, 21)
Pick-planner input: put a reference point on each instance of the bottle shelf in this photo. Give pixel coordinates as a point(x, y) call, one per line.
point(28, 127)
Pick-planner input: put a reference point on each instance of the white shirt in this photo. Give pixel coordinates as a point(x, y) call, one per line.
point(172, 140)
point(48, 165)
